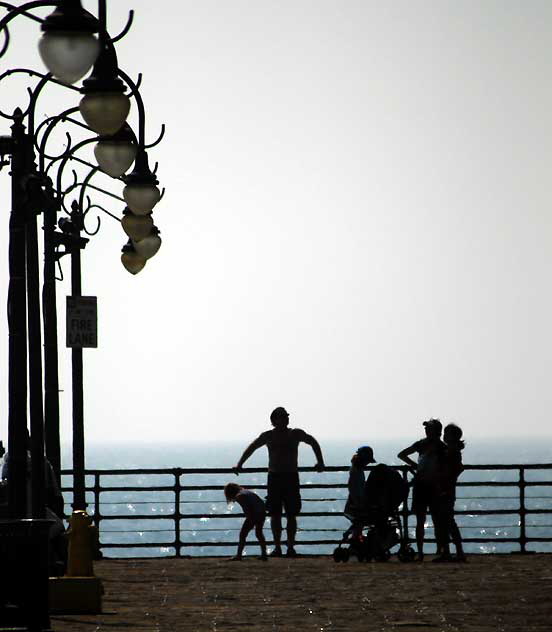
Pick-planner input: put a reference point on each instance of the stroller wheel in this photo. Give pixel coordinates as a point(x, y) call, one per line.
point(383, 556)
point(406, 554)
point(340, 555)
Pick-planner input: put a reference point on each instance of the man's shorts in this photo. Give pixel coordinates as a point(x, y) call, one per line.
point(423, 496)
point(283, 492)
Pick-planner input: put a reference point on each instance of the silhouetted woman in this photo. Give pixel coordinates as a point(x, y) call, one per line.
point(450, 468)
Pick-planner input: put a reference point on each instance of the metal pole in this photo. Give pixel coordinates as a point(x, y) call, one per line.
point(522, 511)
point(51, 376)
point(79, 492)
point(17, 331)
point(35, 373)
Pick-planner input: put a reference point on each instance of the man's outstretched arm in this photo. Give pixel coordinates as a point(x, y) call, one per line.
point(310, 440)
point(255, 445)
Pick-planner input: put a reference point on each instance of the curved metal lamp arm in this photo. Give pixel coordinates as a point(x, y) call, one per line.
point(141, 109)
point(44, 78)
point(134, 92)
point(159, 139)
point(4, 22)
point(52, 122)
point(24, 10)
point(90, 206)
point(126, 28)
point(136, 87)
point(6, 43)
point(64, 160)
point(85, 212)
point(16, 11)
point(84, 186)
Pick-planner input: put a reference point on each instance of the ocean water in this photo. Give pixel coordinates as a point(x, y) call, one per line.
point(126, 514)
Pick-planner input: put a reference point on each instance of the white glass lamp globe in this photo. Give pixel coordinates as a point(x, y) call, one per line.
point(68, 55)
point(137, 227)
point(149, 246)
point(132, 261)
point(141, 198)
point(115, 157)
point(105, 112)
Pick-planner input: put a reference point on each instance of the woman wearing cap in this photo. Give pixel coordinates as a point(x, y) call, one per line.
point(425, 475)
point(356, 501)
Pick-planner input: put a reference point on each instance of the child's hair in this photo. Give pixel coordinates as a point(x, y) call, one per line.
point(454, 432)
point(231, 490)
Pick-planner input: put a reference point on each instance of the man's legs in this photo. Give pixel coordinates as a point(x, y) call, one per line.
point(439, 515)
point(274, 509)
point(291, 528)
point(420, 533)
point(292, 506)
point(276, 526)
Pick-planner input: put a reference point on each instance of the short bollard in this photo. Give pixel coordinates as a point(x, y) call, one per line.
point(79, 591)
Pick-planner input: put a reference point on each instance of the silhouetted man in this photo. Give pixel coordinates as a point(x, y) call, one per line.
point(283, 478)
point(426, 473)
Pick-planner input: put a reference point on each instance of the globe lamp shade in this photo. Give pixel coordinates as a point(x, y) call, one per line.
point(148, 246)
point(68, 55)
point(132, 261)
point(115, 157)
point(137, 227)
point(141, 198)
point(105, 112)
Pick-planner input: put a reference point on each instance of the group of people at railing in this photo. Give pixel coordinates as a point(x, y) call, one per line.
point(433, 487)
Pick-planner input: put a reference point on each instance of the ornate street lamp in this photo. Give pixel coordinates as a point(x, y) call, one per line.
point(68, 47)
point(115, 154)
point(132, 261)
point(136, 226)
point(149, 246)
point(141, 192)
point(104, 106)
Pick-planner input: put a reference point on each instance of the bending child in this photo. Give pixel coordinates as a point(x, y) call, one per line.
point(255, 513)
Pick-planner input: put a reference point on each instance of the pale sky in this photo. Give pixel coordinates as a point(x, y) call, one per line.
point(357, 223)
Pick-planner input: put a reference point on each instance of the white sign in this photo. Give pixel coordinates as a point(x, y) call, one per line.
point(82, 322)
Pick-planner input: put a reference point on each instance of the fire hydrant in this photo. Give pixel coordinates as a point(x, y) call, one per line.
point(83, 540)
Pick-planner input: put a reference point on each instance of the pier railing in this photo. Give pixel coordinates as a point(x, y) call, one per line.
point(182, 511)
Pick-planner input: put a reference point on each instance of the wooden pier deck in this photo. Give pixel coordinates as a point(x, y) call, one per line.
point(502, 593)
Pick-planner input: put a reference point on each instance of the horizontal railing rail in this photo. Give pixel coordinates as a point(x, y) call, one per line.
point(174, 499)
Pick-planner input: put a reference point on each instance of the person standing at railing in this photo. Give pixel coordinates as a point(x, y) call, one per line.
point(425, 475)
point(449, 469)
point(283, 488)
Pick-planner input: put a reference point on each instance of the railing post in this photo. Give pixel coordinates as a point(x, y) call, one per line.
point(177, 514)
point(97, 490)
point(405, 510)
point(522, 511)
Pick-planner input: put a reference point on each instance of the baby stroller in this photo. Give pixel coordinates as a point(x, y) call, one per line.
point(376, 526)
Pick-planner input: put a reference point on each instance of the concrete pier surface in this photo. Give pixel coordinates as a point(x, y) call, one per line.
point(501, 593)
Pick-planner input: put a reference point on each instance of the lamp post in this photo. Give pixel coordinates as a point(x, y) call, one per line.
point(69, 48)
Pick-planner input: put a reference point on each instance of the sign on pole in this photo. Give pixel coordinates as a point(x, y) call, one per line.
point(82, 322)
